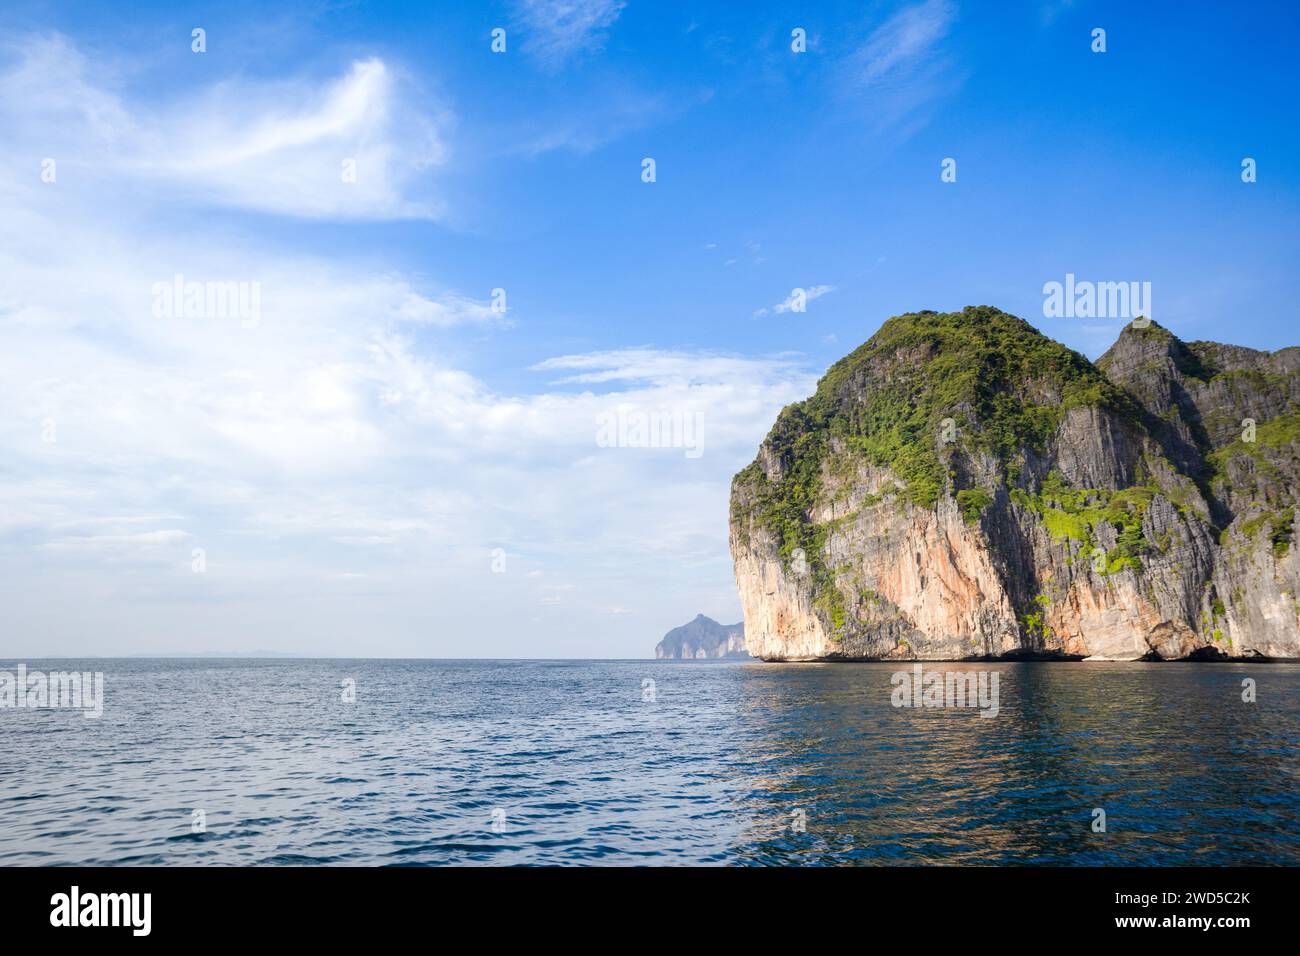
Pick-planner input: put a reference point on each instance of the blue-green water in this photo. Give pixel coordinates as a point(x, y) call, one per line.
point(531, 762)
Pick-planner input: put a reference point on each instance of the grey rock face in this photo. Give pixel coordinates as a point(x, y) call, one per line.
point(1152, 515)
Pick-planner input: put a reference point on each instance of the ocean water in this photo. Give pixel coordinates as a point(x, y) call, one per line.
point(555, 762)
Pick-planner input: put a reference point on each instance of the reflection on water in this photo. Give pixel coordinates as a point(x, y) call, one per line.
point(1185, 771)
point(725, 764)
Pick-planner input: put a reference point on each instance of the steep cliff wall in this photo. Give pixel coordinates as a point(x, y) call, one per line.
point(962, 486)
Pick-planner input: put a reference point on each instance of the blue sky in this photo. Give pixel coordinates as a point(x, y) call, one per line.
point(349, 465)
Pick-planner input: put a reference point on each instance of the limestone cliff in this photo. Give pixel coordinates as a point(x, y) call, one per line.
point(703, 639)
point(961, 486)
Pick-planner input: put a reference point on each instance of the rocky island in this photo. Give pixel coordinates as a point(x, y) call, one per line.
point(703, 639)
point(963, 487)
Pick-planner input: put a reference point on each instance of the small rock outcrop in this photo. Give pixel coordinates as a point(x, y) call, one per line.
point(703, 639)
point(961, 486)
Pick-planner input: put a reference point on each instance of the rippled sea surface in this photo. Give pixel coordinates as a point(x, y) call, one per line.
point(553, 762)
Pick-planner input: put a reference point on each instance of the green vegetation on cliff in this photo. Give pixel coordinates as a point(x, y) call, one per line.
point(1279, 524)
point(1275, 443)
point(972, 502)
point(923, 386)
point(1279, 431)
point(969, 413)
point(1004, 384)
point(1075, 514)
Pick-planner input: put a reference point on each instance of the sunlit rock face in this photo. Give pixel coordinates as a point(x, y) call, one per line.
point(961, 486)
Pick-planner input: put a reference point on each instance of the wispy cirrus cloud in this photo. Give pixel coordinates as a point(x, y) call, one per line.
point(797, 300)
point(334, 460)
point(145, 546)
point(901, 67)
point(665, 368)
point(1051, 9)
point(594, 121)
point(448, 310)
point(903, 42)
point(354, 146)
point(558, 30)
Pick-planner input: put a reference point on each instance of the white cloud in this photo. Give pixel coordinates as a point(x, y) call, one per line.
point(789, 303)
point(345, 478)
point(557, 30)
point(145, 549)
point(587, 121)
point(274, 147)
point(664, 369)
point(1050, 10)
point(362, 456)
point(908, 36)
point(144, 539)
point(901, 68)
point(449, 310)
point(810, 294)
